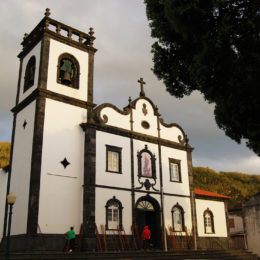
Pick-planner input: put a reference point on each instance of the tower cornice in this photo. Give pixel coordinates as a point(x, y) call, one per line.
point(40, 92)
point(55, 30)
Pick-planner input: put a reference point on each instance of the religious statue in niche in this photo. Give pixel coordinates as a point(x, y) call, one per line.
point(146, 165)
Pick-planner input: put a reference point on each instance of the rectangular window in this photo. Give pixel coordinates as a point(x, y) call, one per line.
point(175, 171)
point(113, 159)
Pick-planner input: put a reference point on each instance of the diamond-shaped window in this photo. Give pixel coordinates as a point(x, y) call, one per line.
point(24, 124)
point(65, 162)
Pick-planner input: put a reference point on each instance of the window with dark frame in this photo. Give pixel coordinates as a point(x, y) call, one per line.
point(29, 74)
point(113, 214)
point(68, 71)
point(178, 218)
point(175, 170)
point(208, 222)
point(113, 159)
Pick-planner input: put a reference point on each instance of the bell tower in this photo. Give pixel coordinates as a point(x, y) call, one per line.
point(54, 95)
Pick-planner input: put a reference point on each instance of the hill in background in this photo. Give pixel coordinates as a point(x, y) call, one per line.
point(240, 186)
point(5, 149)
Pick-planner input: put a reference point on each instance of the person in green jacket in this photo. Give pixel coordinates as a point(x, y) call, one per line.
point(71, 238)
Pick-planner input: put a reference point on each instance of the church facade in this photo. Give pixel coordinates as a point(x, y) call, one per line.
point(75, 163)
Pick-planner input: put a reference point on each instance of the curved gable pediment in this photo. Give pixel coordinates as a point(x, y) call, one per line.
point(140, 116)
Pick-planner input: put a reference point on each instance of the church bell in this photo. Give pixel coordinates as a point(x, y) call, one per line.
point(66, 79)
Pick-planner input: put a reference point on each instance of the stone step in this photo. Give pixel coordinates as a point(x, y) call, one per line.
point(132, 255)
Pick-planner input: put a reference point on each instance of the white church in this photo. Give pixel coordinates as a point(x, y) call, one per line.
point(75, 163)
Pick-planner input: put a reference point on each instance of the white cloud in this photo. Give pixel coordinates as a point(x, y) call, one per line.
point(250, 164)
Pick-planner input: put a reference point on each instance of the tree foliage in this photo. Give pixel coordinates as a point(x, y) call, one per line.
point(4, 154)
point(239, 186)
point(212, 46)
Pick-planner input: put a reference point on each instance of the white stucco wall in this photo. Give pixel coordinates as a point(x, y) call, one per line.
point(170, 133)
point(61, 191)
point(181, 188)
point(56, 49)
point(116, 119)
point(21, 167)
point(139, 116)
point(218, 210)
point(36, 51)
point(102, 196)
point(169, 203)
point(110, 178)
point(3, 187)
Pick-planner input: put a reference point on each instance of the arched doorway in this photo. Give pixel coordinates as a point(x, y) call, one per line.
point(148, 214)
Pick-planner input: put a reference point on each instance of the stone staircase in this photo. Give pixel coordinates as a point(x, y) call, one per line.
point(133, 255)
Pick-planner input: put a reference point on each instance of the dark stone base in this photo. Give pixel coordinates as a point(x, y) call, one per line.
point(218, 243)
point(89, 244)
point(47, 242)
point(56, 242)
point(43, 242)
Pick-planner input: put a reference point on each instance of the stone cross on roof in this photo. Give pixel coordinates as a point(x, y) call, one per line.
point(142, 93)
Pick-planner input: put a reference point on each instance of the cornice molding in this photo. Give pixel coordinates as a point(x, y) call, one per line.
point(135, 135)
point(42, 30)
point(39, 92)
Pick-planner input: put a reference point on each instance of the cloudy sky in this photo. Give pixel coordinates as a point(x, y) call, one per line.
point(123, 41)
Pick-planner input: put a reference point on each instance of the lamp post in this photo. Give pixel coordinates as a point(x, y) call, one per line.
point(11, 198)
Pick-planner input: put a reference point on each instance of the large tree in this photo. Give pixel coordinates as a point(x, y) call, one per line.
point(212, 46)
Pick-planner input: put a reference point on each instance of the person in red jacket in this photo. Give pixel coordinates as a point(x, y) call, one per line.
point(146, 235)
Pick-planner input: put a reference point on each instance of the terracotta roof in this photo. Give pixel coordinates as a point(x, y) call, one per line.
point(209, 194)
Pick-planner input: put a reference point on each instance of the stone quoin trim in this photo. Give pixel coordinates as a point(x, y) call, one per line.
point(89, 189)
point(44, 62)
point(192, 196)
point(161, 178)
point(19, 82)
point(35, 176)
point(90, 76)
point(132, 181)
